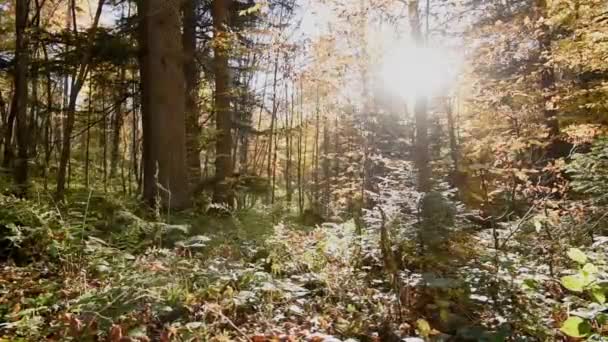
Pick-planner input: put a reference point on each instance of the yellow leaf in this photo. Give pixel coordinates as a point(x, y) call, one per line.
point(424, 328)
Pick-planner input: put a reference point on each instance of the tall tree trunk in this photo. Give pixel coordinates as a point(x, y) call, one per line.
point(87, 158)
point(33, 125)
point(223, 114)
point(191, 72)
point(315, 155)
point(3, 117)
point(452, 133)
point(259, 142)
point(274, 166)
point(103, 140)
point(422, 156)
point(21, 90)
point(77, 83)
point(117, 121)
point(301, 151)
point(273, 119)
point(8, 134)
point(326, 168)
point(48, 122)
point(135, 139)
point(289, 116)
point(163, 104)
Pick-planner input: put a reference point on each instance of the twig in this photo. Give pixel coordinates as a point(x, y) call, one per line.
point(218, 312)
point(521, 221)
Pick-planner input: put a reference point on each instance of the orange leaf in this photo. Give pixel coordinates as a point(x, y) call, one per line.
point(115, 333)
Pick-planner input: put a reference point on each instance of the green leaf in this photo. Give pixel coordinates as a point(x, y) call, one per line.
point(574, 283)
point(577, 255)
point(576, 327)
point(530, 284)
point(601, 319)
point(599, 294)
point(590, 268)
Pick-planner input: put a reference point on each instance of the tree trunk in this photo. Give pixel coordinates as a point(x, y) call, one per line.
point(88, 137)
point(301, 152)
point(452, 134)
point(223, 114)
point(48, 124)
point(163, 104)
point(8, 134)
point(289, 114)
point(326, 168)
point(315, 155)
point(21, 90)
point(3, 118)
point(273, 118)
point(117, 121)
point(191, 72)
point(76, 86)
point(422, 157)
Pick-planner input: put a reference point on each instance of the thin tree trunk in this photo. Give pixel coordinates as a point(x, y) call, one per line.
point(76, 86)
point(274, 168)
point(290, 113)
point(117, 121)
point(191, 72)
point(422, 158)
point(301, 151)
point(3, 117)
point(326, 168)
point(104, 140)
point(258, 138)
point(8, 134)
point(88, 137)
point(452, 133)
point(315, 157)
point(269, 167)
point(135, 140)
point(48, 124)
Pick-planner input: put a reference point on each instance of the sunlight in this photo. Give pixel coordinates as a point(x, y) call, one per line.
point(408, 71)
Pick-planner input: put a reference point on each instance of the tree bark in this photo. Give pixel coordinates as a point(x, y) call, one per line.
point(223, 114)
point(163, 104)
point(117, 121)
point(21, 91)
point(191, 73)
point(8, 134)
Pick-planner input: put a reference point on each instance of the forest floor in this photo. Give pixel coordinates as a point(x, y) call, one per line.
point(100, 273)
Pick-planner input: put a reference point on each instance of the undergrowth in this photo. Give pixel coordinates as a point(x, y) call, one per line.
point(110, 272)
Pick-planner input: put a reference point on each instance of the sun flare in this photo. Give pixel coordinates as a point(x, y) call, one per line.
point(408, 71)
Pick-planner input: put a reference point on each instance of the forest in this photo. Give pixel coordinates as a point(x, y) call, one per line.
point(303, 170)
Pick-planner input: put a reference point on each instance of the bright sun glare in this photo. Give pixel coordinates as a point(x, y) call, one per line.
point(409, 71)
